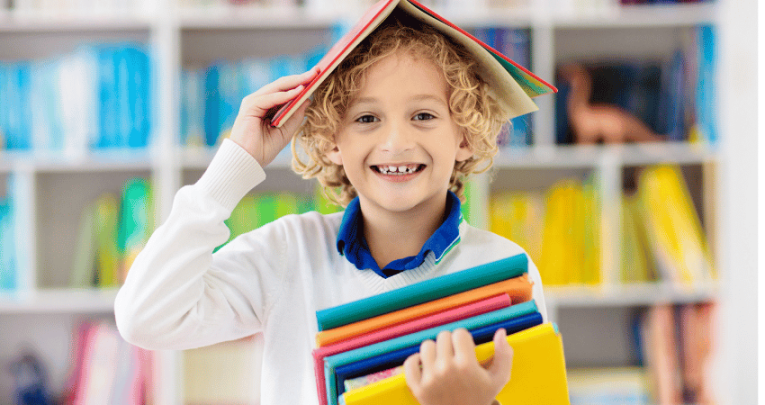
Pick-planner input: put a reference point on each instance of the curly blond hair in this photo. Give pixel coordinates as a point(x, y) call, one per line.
point(471, 107)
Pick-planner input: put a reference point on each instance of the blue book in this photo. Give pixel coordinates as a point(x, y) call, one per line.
point(17, 131)
point(107, 120)
point(705, 87)
point(211, 101)
point(230, 99)
point(396, 358)
point(8, 271)
point(4, 104)
point(331, 363)
point(671, 108)
point(423, 291)
point(138, 71)
point(124, 117)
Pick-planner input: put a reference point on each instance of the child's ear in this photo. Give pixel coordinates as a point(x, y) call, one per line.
point(464, 150)
point(334, 156)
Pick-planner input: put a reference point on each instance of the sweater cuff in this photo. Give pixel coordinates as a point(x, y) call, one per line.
point(232, 173)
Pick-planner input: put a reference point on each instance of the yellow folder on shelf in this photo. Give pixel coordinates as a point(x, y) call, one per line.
point(538, 375)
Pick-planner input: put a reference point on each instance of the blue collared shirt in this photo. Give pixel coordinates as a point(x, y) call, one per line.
point(353, 245)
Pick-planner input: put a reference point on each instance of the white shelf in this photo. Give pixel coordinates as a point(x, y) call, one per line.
point(586, 156)
point(36, 23)
point(253, 17)
point(62, 300)
point(628, 295)
point(95, 161)
point(659, 15)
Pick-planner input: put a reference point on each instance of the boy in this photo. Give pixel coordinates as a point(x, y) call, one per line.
point(393, 131)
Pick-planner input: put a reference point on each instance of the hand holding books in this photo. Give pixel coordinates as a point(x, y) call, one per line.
point(446, 371)
point(538, 368)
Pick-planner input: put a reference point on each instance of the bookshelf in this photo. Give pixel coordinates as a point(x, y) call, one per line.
point(55, 188)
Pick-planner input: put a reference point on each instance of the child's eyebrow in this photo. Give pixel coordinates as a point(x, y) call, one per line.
point(427, 97)
point(419, 97)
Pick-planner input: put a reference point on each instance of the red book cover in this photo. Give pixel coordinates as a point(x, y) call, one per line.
point(513, 84)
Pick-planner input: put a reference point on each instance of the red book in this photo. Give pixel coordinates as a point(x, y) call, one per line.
point(513, 85)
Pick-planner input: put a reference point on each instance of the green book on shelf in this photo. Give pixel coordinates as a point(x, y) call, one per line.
point(136, 221)
point(84, 261)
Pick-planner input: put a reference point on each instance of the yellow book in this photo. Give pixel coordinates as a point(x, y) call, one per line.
point(538, 375)
point(518, 216)
point(562, 251)
point(107, 251)
point(673, 227)
point(591, 236)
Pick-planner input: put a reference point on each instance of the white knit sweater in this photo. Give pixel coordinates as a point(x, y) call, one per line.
point(179, 295)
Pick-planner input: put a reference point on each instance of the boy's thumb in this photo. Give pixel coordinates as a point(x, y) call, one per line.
point(502, 363)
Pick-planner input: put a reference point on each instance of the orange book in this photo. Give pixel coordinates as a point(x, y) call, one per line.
point(518, 288)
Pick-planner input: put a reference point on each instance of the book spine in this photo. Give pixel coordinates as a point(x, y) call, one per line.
point(450, 284)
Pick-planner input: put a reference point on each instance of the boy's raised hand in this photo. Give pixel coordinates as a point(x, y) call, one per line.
point(450, 373)
point(252, 128)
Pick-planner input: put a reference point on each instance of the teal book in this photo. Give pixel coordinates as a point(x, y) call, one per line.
point(423, 291)
point(136, 222)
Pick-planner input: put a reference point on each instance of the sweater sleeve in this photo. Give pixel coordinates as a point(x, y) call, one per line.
point(178, 294)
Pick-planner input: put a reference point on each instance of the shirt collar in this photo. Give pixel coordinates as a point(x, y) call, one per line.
point(353, 245)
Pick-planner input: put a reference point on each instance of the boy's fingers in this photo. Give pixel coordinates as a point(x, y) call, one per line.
point(463, 343)
point(259, 105)
point(444, 347)
point(502, 363)
point(428, 354)
point(412, 371)
point(288, 82)
point(291, 125)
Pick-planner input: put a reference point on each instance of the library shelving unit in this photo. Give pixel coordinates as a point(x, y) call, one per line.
point(55, 189)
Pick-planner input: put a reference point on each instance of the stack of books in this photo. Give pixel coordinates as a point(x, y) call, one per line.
point(362, 345)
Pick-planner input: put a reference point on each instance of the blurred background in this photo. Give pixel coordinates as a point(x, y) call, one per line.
point(634, 188)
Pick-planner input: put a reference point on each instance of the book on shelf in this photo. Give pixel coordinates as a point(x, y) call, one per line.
point(379, 332)
point(636, 260)
point(258, 209)
point(518, 216)
point(570, 246)
point(212, 93)
point(661, 234)
point(674, 233)
point(104, 369)
point(111, 232)
point(514, 43)
point(92, 98)
point(675, 345)
point(8, 268)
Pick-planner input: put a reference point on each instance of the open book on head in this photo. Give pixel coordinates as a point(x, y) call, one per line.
point(512, 85)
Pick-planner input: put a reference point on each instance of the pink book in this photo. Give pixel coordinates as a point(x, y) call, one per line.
point(440, 318)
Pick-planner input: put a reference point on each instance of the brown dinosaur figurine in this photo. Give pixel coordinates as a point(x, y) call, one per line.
point(592, 123)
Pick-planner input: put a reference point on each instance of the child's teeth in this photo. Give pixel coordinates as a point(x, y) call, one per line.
point(396, 169)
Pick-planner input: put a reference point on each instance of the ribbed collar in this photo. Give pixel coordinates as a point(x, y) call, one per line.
point(353, 245)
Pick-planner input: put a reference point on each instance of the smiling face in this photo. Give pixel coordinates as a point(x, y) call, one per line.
point(397, 141)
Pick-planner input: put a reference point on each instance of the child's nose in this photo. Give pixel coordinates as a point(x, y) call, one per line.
point(397, 138)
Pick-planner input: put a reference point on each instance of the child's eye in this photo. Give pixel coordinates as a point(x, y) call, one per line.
point(367, 119)
point(423, 116)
